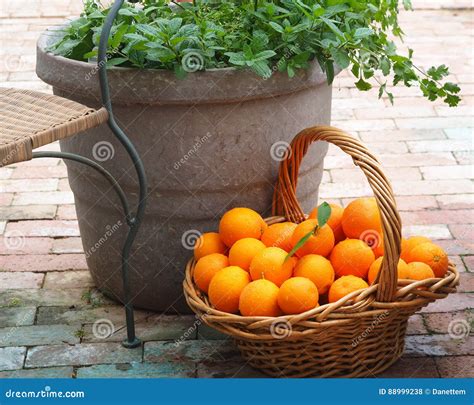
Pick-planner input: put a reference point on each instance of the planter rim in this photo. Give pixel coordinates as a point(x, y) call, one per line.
point(160, 86)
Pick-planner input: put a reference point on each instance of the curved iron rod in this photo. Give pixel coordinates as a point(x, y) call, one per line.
point(131, 341)
point(95, 166)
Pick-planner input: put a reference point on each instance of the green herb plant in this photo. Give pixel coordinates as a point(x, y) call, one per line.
point(261, 35)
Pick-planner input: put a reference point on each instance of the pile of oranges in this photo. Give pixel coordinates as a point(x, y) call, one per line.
point(286, 268)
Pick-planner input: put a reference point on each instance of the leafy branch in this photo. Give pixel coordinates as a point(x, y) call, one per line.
point(262, 35)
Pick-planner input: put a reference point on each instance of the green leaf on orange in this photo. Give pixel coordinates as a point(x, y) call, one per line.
point(324, 212)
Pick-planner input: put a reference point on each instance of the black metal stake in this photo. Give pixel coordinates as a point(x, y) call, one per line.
point(131, 341)
point(135, 222)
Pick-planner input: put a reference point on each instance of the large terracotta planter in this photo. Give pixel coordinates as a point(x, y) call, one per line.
point(209, 142)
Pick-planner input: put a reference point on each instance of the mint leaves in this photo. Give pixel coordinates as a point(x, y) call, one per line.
point(262, 35)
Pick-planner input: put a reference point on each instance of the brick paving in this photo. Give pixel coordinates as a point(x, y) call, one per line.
point(47, 298)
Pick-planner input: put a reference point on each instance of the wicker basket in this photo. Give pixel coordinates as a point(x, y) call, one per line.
point(360, 335)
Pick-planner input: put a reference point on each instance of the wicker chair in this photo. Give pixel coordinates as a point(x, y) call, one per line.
point(30, 119)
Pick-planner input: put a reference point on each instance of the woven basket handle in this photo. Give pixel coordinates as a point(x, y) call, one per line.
point(286, 204)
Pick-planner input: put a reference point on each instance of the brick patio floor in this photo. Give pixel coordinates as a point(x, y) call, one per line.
point(49, 304)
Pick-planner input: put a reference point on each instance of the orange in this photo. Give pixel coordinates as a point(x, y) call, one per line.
point(319, 244)
point(225, 288)
point(410, 243)
point(297, 295)
point(352, 257)
point(431, 254)
point(259, 298)
point(361, 218)
point(207, 244)
point(207, 267)
point(378, 249)
point(345, 285)
point(419, 271)
point(271, 264)
point(318, 269)
point(239, 223)
point(279, 235)
point(402, 269)
point(334, 221)
point(243, 251)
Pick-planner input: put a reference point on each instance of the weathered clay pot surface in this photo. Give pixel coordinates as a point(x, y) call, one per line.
point(207, 143)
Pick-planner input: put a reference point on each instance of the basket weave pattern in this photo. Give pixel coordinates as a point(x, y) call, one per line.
point(361, 334)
